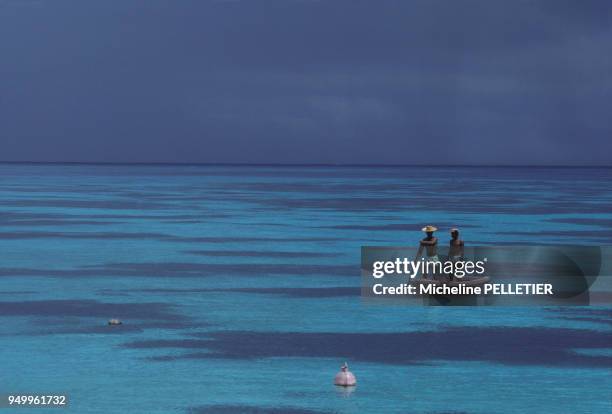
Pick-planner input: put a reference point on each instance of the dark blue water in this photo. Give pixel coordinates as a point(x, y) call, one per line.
point(239, 289)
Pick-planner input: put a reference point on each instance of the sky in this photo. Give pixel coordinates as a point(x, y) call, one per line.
point(490, 82)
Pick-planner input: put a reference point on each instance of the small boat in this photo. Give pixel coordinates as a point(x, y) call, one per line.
point(114, 321)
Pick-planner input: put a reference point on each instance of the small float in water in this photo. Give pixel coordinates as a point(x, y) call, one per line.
point(114, 321)
point(345, 378)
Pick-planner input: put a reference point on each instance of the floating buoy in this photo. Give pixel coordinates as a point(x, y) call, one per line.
point(345, 378)
point(114, 322)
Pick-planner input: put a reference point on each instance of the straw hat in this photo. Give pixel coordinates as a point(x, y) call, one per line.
point(429, 229)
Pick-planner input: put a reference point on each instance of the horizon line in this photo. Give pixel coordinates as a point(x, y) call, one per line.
point(246, 164)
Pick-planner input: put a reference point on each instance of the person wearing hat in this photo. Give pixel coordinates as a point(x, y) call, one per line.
point(455, 251)
point(430, 244)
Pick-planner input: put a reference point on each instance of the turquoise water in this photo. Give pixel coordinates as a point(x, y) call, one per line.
point(239, 289)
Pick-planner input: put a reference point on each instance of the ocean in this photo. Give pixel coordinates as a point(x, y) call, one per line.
point(238, 288)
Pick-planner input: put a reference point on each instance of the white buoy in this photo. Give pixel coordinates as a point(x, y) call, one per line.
point(114, 322)
point(345, 378)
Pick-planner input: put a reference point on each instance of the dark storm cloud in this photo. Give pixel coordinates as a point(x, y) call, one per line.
point(301, 81)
